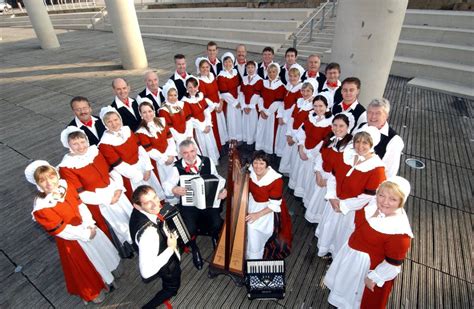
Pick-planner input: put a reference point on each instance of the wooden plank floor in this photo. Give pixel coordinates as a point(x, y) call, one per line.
point(35, 89)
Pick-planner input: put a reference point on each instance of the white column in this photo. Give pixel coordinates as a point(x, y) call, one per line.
point(123, 18)
point(367, 33)
point(41, 23)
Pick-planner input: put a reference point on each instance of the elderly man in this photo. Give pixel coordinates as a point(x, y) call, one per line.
point(126, 106)
point(203, 220)
point(241, 60)
point(91, 125)
point(152, 90)
point(390, 147)
point(180, 75)
point(350, 90)
point(267, 58)
point(312, 71)
point(291, 55)
point(212, 51)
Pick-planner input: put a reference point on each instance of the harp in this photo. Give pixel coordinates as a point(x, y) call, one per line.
point(229, 256)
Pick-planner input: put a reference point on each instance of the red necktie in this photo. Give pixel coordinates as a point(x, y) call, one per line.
point(125, 101)
point(241, 62)
point(189, 167)
point(345, 106)
point(155, 93)
point(332, 84)
point(183, 75)
point(160, 217)
point(312, 74)
point(213, 62)
point(88, 123)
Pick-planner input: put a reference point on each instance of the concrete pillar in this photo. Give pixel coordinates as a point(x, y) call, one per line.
point(41, 23)
point(123, 19)
point(367, 33)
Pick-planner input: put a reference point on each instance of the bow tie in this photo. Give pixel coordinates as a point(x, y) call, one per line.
point(88, 123)
point(160, 217)
point(188, 167)
point(312, 74)
point(332, 84)
point(155, 93)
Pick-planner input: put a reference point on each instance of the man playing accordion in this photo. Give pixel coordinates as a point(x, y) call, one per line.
point(204, 221)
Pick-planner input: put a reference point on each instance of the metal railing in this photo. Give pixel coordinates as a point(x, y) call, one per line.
point(68, 4)
point(327, 8)
point(102, 13)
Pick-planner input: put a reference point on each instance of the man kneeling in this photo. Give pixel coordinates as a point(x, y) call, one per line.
point(157, 247)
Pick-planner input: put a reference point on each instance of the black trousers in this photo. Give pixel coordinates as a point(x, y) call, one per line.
point(170, 275)
point(206, 221)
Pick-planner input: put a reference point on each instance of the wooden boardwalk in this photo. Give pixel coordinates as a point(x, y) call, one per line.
point(35, 89)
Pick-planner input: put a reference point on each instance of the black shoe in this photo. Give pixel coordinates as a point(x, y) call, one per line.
point(197, 259)
point(214, 242)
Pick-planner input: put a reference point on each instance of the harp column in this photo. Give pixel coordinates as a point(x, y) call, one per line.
point(366, 37)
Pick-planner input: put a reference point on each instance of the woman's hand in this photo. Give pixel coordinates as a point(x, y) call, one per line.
point(93, 232)
point(220, 107)
point(146, 175)
point(207, 129)
point(263, 115)
point(281, 121)
point(237, 106)
point(320, 181)
point(302, 154)
point(116, 196)
point(335, 205)
point(247, 110)
point(290, 140)
point(369, 284)
point(252, 217)
point(170, 160)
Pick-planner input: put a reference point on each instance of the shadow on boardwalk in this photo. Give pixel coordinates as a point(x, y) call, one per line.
point(35, 89)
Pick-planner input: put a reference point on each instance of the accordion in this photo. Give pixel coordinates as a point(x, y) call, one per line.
point(175, 223)
point(202, 191)
point(265, 279)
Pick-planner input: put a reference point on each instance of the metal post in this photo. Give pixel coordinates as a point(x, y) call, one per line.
point(333, 9)
point(295, 41)
point(322, 18)
point(311, 30)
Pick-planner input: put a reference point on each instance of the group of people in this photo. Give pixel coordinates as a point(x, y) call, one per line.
point(102, 202)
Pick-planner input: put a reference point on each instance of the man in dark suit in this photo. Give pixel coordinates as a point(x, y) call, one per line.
point(180, 75)
point(126, 106)
point(212, 51)
point(91, 125)
point(312, 71)
point(152, 90)
point(267, 58)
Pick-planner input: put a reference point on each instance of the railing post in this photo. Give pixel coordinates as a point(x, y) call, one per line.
point(333, 8)
point(322, 18)
point(295, 41)
point(311, 30)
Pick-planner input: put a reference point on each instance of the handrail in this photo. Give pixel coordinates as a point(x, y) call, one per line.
point(101, 12)
point(310, 22)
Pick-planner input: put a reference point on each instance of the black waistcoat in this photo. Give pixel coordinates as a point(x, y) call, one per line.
point(204, 168)
point(381, 147)
point(99, 126)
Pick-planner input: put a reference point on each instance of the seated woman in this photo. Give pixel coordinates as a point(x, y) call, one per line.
point(201, 119)
point(87, 169)
point(87, 256)
point(310, 138)
point(268, 221)
point(210, 89)
point(228, 81)
point(156, 138)
point(363, 272)
point(351, 187)
point(121, 148)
